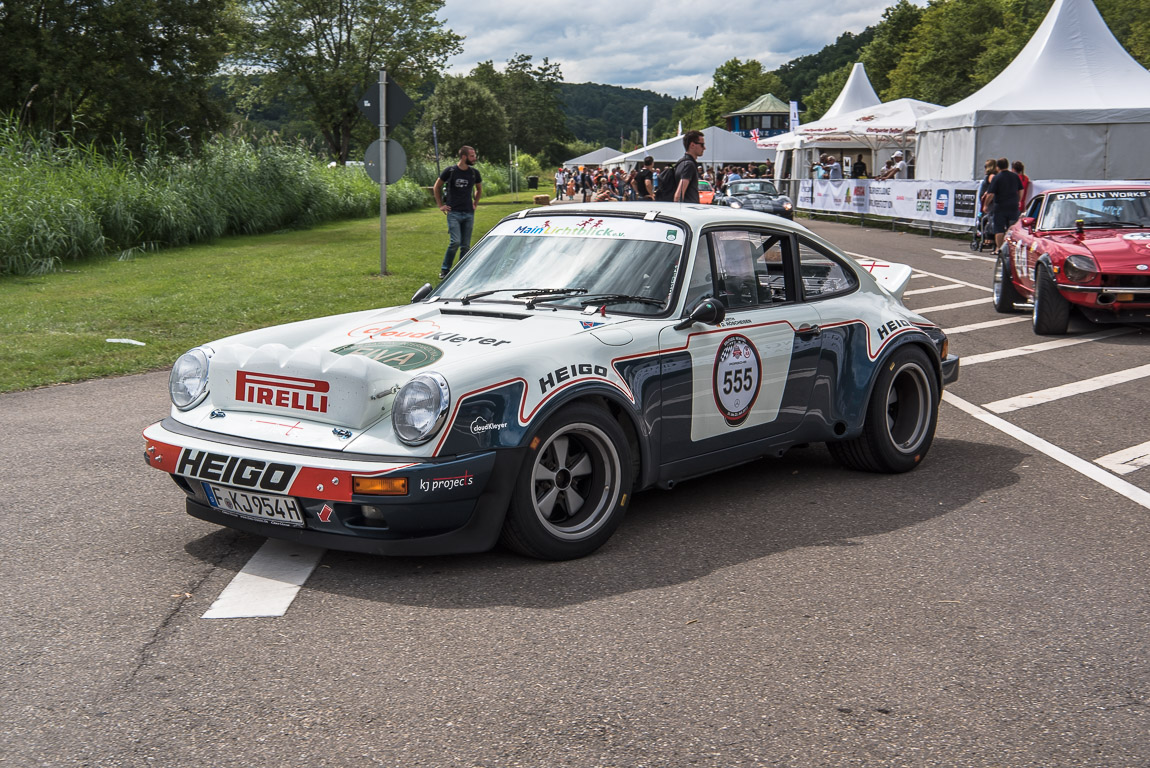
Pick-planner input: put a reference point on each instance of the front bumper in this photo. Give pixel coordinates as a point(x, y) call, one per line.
point(453, 505)
point(949, 367)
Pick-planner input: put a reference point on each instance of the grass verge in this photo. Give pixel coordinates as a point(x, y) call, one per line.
point(55, 326)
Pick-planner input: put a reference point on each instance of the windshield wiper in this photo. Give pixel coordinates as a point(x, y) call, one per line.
point(523, 293)
point(621, 298)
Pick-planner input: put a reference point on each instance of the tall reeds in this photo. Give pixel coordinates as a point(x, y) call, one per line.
point(62, 202)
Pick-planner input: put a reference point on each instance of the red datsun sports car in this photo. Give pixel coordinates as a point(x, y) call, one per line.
point(1084, 247)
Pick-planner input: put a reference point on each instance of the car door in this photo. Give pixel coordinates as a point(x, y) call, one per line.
point(750, 378)
point(1022, 243)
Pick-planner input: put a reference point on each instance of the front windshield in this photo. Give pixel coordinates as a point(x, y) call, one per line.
point(587, 256)
point(753, 188)
point(1103, 208)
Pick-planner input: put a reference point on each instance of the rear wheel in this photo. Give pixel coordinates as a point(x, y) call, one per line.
point(1051, 309)
point(1005, 294)
point(573, 489)
point(900, 418)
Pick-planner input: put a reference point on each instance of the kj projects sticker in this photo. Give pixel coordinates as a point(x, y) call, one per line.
point(737, 377)
point(403, 355)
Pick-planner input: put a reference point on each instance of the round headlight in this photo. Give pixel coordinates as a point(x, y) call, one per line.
point(188, 382)
point(1079, 269)
point(420, 408)
point(735, 204)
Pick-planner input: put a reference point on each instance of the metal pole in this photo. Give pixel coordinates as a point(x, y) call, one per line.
point(382, 172)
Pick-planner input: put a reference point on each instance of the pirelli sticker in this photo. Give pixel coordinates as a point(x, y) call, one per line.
point(738, 374)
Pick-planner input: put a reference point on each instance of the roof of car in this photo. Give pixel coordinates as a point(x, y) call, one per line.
point(1099, 187)
point(692, 214)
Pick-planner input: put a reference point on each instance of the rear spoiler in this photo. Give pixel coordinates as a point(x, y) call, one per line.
point(891, 277)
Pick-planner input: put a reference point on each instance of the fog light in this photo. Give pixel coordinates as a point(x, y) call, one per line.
point(1124, 297)
point(379, 486)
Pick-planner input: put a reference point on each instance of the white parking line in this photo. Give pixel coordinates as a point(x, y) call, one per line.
point(1097, 474)
point(959, 305)
point(1067, 390)
point(268, 584)
point(1127, 461)
point(987, 324)
point(1045, 346)
point(931, 274)
point(935, 289)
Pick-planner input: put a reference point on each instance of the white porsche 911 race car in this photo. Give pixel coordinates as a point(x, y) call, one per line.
point(579, 354)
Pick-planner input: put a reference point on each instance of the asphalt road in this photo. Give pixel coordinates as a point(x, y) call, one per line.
point(988, 609)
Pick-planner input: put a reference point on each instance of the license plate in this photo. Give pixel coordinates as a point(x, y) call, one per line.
point(280, 510)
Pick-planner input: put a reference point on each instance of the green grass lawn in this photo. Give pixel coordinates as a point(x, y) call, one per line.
point(55, 327)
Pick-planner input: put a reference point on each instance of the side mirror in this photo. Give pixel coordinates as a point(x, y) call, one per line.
point(708, 311)
point(1028, 223)
point(421, 294)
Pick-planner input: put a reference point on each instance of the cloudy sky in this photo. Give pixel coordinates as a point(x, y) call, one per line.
point(671, 46)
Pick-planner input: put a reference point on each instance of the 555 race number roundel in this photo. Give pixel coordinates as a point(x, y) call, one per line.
point(738, 374)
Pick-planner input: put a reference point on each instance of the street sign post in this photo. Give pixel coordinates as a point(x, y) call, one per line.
point(384, 103)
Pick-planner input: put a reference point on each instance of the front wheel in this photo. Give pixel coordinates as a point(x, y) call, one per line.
point(1005, 294)
point(900, 418)
point(574, 487)
point(1051, 309)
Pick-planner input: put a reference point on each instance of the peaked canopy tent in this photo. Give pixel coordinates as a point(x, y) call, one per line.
point(882, 129)
point(723, 148)
point(1072, 105)
point(591, 158)
point(857, 94)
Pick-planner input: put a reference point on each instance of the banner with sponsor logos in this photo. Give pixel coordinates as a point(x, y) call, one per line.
point(941, 202)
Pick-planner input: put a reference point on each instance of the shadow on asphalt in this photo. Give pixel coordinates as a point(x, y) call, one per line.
point(760, 509)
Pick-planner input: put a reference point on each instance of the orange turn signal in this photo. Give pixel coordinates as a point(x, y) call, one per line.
point(379, 486)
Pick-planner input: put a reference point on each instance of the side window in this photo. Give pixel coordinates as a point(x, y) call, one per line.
point(1035, 207)
point(744, 268)
point(822, 273)
point(735, 269)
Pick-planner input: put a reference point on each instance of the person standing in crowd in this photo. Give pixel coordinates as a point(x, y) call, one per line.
point(859, 169)
point(1020, 169)
point(560, 183)
point(586, 184)
point(464, 188)
point(645, 180)
point(834, 168)
point(734, 175)
point(1004, 191)
point(899, 165)
point(687, 170)
point(985, 202)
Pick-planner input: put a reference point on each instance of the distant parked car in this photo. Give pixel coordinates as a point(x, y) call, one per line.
point(706, 192)
point(576, 356)
point(1079, 247)
point(756, 195)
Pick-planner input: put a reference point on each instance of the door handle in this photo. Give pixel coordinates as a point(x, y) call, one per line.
point(809, 331)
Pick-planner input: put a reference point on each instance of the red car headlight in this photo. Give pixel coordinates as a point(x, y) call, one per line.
point(1079, 269)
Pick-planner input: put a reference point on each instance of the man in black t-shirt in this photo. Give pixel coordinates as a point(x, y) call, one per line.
point(644, 180)
point(687, 169)
point(464, 188)
point(1004, 190)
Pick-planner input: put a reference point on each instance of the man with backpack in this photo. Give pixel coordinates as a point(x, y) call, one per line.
point(464, 188)
point(644, 183)
point(687, 169)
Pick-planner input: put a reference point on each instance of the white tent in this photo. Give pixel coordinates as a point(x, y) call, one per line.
point(857, 94)
point(1072, 105)
point(882, 129)
point(591, 158)
point(723, 148)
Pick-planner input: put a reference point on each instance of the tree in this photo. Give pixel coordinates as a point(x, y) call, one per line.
point(109, 71)
point(465, 113)
point(737, 84)
point(530, 97)
point(943, 52)
point(891, 37)
point(331, 50)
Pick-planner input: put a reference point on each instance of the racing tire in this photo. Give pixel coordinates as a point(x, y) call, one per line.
point(573, 489)
point(900, 418)
point(1005, 294)
point(1051, 309)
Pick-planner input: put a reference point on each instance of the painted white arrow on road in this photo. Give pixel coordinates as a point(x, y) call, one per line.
point(960, 256)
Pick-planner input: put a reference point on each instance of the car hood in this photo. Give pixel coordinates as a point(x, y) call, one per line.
point(345, 370)
point(1117, 250)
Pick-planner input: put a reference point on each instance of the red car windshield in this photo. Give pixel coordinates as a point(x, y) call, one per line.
point(1098, 208)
